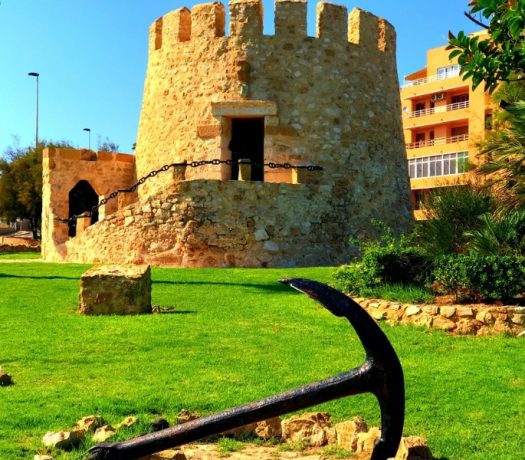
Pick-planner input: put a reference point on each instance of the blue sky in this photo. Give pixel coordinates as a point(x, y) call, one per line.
point(92, 55)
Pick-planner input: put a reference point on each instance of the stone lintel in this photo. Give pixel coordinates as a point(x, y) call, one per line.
point(243, 108)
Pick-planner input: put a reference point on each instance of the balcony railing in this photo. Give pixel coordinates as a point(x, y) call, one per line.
point(439, 109)
point(437, 141)
point(423, 81)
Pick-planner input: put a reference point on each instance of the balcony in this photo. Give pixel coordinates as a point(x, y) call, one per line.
point(437, 141)
point(439, 109)
point(432, 78)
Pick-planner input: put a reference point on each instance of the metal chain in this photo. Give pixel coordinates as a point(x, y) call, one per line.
point(193, 164)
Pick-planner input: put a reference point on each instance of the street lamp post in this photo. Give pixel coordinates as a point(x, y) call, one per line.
point(36, 75)
point(88, 130)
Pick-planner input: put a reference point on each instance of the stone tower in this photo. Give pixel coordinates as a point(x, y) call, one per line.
point(330, 100)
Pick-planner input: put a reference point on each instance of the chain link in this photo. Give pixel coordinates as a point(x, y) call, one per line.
point(193, 164)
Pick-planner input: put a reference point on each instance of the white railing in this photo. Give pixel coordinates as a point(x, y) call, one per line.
point(439, 109)
point(437, 141)
point(423, 81)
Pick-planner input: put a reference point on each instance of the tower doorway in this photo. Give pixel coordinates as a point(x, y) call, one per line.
point(82, 198)
point(247, 142)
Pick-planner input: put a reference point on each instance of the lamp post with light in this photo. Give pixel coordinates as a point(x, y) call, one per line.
point(88, 130)
point(36, 75)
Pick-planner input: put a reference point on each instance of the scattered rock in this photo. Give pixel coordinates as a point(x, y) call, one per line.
point(159, 424)
point(311, 428)
point(42, 457)
point(90, 423)
point(270, 428)
point(5, 379)
point(367, 441)
point(413, 448)
point(63, 439)
point(127, 422)
point(104, 433)
point(186, 416)
point(348, 432)
point(521, 334)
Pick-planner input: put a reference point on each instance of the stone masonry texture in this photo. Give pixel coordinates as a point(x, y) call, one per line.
point(330, 100)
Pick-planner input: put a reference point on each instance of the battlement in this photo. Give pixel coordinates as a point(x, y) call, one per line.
point(54, 153)
point(206, 21)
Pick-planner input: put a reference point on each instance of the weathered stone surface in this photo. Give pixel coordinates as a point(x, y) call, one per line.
point(90, 423)
point(270, 428)
point(367, 441)
point(464, 312)
point(103, 433)
point(412, 310)
point(127, 422)
point(63, 439)
point(348, 433)
point(447, 312)
point(116, 289)
point(444, 324)
point(413, 448)
point(485, 317)
point(311, 428)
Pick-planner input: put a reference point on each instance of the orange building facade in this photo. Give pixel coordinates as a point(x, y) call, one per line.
point(443, 121)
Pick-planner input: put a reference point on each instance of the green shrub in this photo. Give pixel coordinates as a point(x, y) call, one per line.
point(452, 211)
point(480, 277)
point(387, 260)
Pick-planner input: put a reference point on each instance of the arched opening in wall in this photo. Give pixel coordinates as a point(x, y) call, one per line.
point(82, 198)
point(247, 142)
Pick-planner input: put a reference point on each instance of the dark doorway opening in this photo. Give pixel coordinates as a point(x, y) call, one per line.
point(248, 143)
point(82, 198)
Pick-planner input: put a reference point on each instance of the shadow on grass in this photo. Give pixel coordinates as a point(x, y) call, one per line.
point(277, 287)
point(43, 277)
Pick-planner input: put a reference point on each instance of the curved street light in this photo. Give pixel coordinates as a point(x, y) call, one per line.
point(36, 75)
point(88, 130)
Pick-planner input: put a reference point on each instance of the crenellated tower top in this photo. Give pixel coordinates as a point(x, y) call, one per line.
point(206, 21)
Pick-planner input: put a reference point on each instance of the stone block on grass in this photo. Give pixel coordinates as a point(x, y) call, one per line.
point(116, 290)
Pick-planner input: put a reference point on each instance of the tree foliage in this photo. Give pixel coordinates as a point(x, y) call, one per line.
point(499, 56)
point(21, 183)
point(504, 157)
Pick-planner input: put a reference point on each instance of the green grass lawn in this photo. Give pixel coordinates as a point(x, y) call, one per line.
point(20, 255)
point(235, 336)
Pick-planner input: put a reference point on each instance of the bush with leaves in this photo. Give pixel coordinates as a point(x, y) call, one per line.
point(388, 260)
point(452, 211)
point(478, 277)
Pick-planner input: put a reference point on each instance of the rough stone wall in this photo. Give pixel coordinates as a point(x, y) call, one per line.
point(476, 319)
point(214, 223)
point(331, 100)
point(62, 170)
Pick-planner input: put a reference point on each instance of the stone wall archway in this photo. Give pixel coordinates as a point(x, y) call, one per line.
point(82, 197)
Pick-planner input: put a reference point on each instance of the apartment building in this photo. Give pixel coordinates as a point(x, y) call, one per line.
point(443, 120)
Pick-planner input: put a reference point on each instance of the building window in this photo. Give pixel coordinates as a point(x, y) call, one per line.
point(447, 71)
point(459, 98)
point(438, 165)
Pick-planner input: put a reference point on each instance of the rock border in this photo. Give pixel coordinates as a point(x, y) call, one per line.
point(471, 319)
